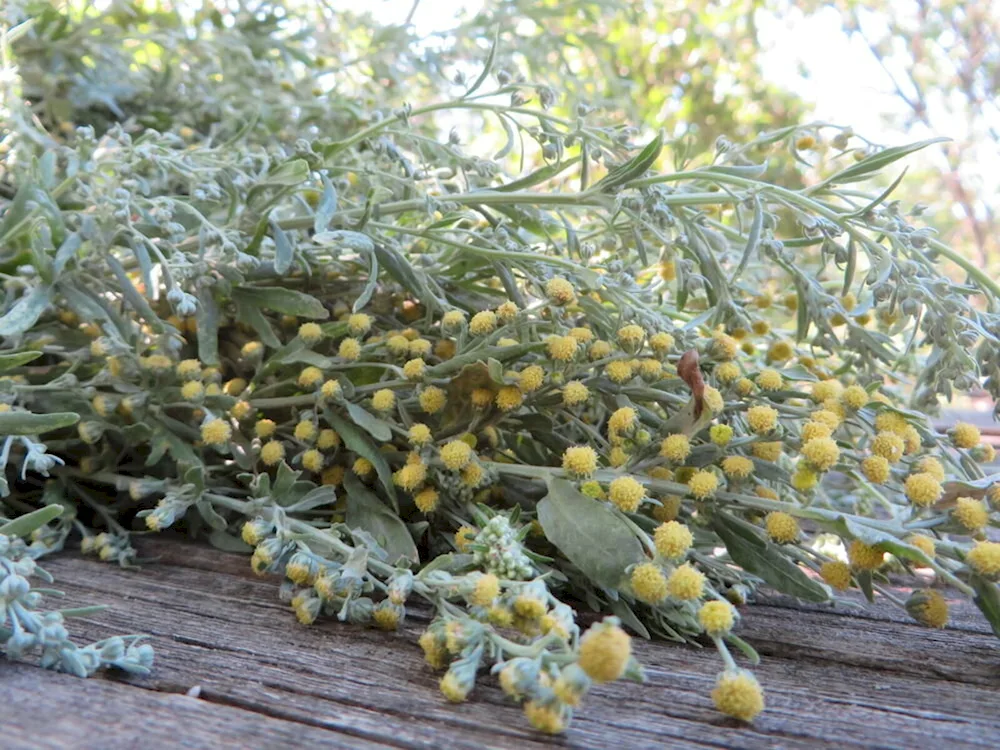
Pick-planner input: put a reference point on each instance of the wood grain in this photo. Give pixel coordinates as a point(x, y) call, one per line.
point(844, 677)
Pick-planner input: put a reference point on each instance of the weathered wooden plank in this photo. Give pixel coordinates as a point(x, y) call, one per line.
point(46, 711)
point(834, 677)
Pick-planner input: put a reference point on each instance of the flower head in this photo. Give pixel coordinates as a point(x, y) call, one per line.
point(672, 539)
point(419, 434)
point(456, 455)
point(720, 434)
point(762, 419)
point(781, 527)
point(676, 447)
point(383, 399)
point(626, 493)
point(349, 349)
point(432, 399)
point(623, 421)
point(864, 556)
point(928, 608)
point(631, 336)
point(984, 558)
point(738, 467)
point(426, 500)
point(971, 513)
point(605, 650)
point(312, 460)
point(305, 430)
point(599, 350)
point(836, 574)
point(509, 397)
point(717, 617)
point(821, 453)
point(216, 432)
point(889, 445)
point(922, 489)
point(686, 583)
point(876, 469)
point(486, 589)
point(580, 460)
point(575, 393)
point(531, 378)
point(310, 333)
point(483, 323)
point(854, 397)
point(648, 583)
point(661, 342)
point(619, 371)
point(965, 435)
point(411, 476)
point(560, 291)
point(272, 452)
point(561, 348)
point(358, 324)
point(414, 369)
point(770, 380)
point(703, 484)
point(738, 694)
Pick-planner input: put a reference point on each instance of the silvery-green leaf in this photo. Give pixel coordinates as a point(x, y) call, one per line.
point(592, 536)
point(26, 423)
point(761, 558)
point(366, 511)
point(22, 526)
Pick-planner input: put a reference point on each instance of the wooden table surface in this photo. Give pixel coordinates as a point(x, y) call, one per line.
point(845, 677)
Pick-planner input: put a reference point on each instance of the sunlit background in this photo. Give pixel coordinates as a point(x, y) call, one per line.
point(910, 70)
point(703, 70)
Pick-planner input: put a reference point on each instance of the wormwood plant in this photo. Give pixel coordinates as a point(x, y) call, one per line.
point(245, 299)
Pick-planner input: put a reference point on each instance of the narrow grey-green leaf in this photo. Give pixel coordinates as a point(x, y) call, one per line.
point(877, 161)
point(358, 441)
point(283, 252)
point(327, 207)
point(138, 303)
point(588, 533)
point(753, 238)
point(277, 299)
point(10, 361)
point(366, 511)
point(377, 428)
point(624, 613)
point(370, 286)
point(208, 327)
point(67, 250)
point(26, 311)
point(26, 423)
point(634, 167)
point(761, 558)
point(487, 66)
point(22, 526)
point(253, 317)
point(882, 539)
point(223, 540)
point(988, 601)
point(288, 174)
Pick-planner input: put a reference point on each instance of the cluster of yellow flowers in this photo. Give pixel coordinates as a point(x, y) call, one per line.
point(672, 431)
